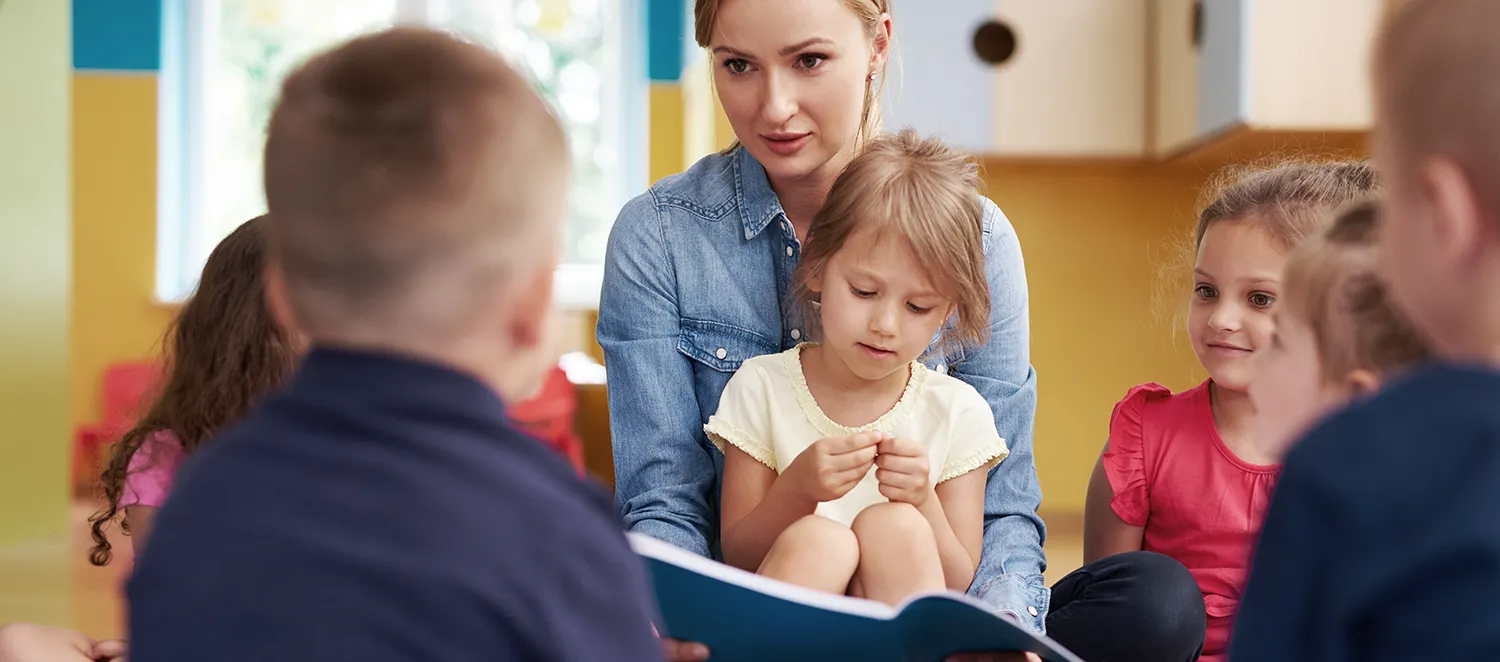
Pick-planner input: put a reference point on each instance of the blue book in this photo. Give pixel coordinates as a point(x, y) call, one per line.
point(742, 616)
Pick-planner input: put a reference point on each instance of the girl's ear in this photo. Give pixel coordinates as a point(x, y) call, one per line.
point(1363, 382)
point(815, 280)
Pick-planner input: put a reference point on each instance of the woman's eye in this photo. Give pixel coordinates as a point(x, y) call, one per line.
point(1205, 292)
point(736, 66)
point(811, 60)
point(1261, 300)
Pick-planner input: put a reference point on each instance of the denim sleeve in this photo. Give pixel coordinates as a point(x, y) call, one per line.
point(1009, 576)
point(663, 471)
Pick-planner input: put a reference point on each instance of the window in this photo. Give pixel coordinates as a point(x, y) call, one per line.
point(223, 62)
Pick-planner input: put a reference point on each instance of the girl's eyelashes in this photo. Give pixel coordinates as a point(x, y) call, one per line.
point(920, 310)
point(863, 294)
point(1205, 292)
point(1261, 299)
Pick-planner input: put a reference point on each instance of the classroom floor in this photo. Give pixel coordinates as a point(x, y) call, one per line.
point(52, 581)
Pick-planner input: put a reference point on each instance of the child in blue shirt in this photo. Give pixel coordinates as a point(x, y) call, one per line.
point(1382, 541)
point(381, 506)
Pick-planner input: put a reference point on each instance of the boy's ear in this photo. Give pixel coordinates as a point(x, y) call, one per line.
point(278, 302)
point(1458, 221)
point(531, 319)
point(1363, 382)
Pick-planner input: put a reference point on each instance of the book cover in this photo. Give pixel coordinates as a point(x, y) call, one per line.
point(742, 616)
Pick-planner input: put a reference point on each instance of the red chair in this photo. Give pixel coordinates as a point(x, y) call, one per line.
point(548, 416)
point(124, 389)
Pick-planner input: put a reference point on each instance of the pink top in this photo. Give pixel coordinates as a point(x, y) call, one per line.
point(1200, 503)
point(148, 479)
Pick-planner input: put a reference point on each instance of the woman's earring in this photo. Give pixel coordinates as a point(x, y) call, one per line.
point(872, 76)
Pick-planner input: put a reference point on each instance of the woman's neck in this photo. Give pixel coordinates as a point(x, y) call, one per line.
point(801, 198)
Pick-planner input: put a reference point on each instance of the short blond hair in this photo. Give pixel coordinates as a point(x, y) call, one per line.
point(1333, 284)
point(706, 13)
point(408, 175)
point(1437, 83)
point(924, 194)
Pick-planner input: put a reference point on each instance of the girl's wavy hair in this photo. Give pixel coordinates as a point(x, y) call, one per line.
point(222, 354)
point(1289, 198)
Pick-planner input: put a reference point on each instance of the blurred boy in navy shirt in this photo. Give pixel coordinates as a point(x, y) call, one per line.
point(1383, 539)
point(381, 507)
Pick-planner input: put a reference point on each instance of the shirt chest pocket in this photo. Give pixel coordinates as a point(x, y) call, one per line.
point(721, 347)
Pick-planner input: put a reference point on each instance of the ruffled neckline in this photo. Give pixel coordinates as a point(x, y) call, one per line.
point(892, 418)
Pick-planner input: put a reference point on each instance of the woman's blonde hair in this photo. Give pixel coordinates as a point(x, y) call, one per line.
point(869, 12)
point(1333, 284)
point(924, 194)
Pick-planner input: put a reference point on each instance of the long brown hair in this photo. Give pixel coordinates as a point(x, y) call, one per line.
point(222, 353)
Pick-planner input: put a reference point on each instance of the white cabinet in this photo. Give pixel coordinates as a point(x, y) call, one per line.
point(1260, 65)
point(1023, 78)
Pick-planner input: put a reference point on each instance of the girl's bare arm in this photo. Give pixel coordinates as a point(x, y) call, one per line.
point(1104, 533)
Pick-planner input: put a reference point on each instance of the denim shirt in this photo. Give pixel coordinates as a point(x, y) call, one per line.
point(695, 277)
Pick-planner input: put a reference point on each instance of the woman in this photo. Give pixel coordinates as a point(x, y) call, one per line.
point(696, 274)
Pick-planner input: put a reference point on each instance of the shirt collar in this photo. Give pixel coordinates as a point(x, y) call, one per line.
point(758, 204)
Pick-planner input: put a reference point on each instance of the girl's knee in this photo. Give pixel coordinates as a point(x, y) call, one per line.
point(887, 524)
point(824, 535)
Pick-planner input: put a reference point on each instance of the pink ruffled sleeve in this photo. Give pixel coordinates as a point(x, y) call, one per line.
point(148, 478)
point(1125, 461)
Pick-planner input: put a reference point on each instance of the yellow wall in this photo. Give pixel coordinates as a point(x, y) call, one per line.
point(1093, 237)
point(114, 230)
point(35, 57)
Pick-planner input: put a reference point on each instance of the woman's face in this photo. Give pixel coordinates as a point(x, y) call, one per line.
point(792, 77)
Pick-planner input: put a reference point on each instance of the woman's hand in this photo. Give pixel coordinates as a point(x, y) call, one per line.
point(903, 471)
point(831, 467)
point(110, 650)
point(684, 651)
point(30, 642)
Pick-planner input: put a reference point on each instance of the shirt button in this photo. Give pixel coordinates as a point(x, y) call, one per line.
point(784, 226)
point(788, 251)
point(722, 353)
point(1031, 610)
point(796, 334)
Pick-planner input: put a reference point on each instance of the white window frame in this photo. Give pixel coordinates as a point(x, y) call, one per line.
point(186, 48)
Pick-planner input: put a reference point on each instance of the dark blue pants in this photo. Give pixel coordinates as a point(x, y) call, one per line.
point(1131, 607)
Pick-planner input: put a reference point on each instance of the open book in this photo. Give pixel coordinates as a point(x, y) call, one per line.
point(742, 616)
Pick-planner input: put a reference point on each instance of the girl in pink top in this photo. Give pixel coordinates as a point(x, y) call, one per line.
point(1180, 473)
point(224, 351)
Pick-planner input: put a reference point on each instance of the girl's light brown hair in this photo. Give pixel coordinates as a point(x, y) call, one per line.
point(919, 192)
point(223, 353)
point(1289, 199)
point(705, 12)
point(1333, 285)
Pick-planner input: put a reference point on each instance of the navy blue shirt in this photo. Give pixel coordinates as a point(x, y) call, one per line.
point(382, 509)
point(1383, 537)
